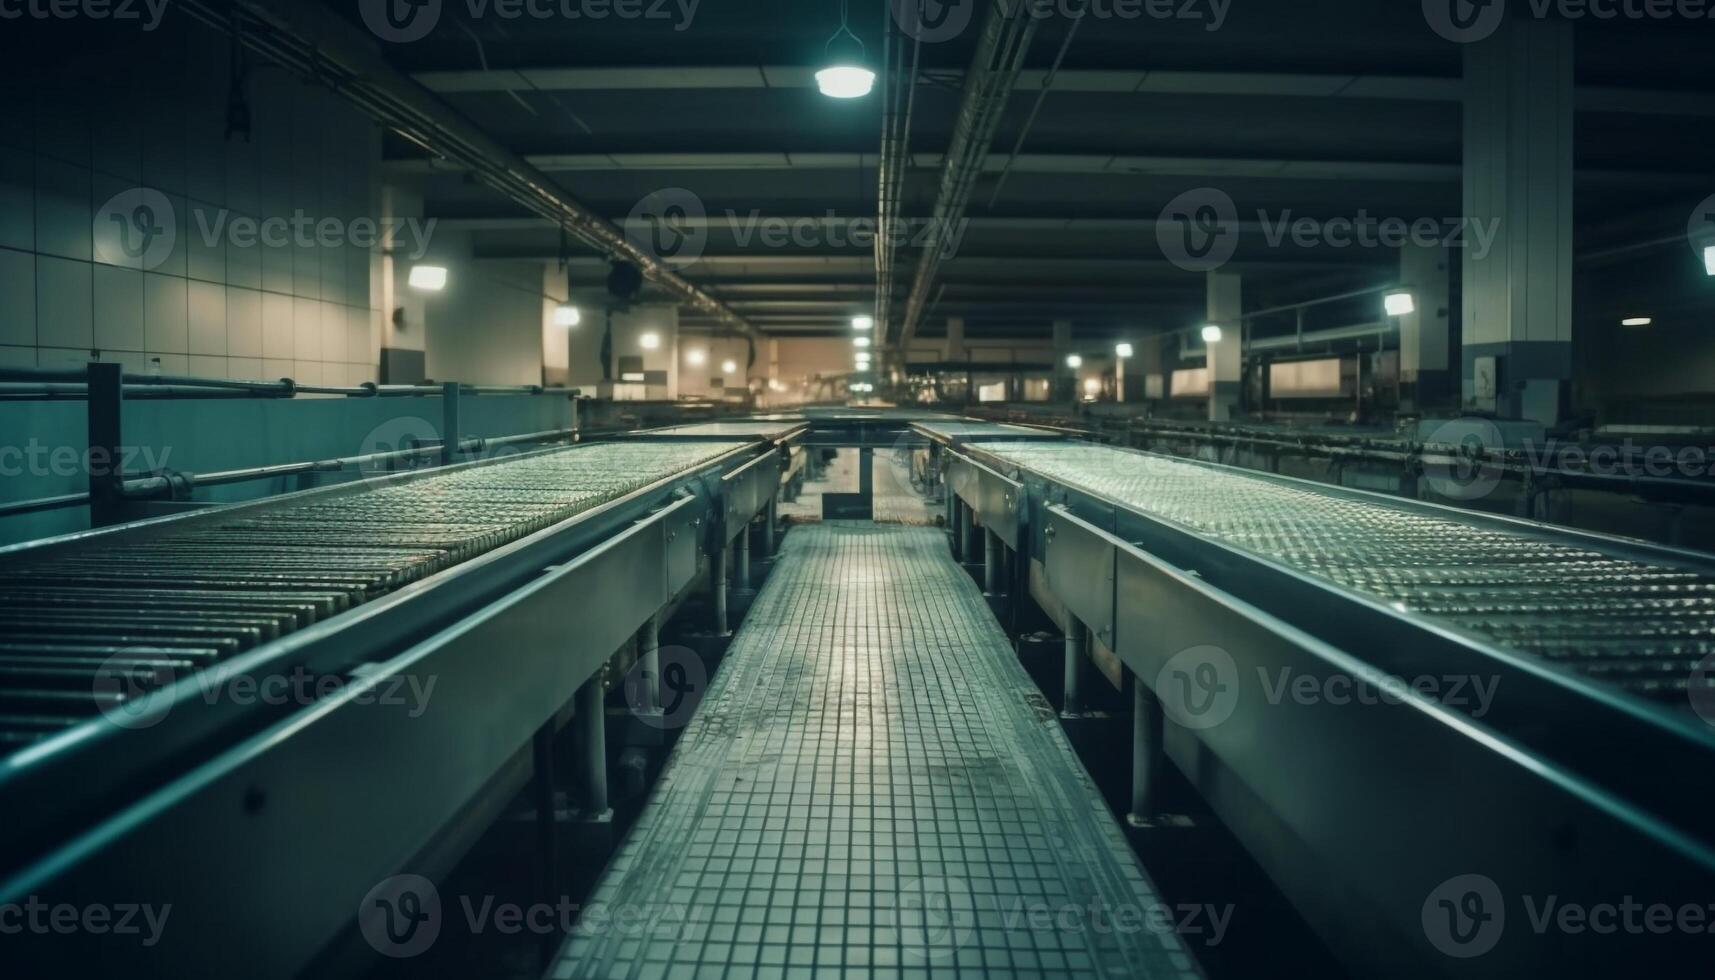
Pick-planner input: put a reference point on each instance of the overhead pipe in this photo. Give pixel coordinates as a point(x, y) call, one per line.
point(308, 38)
point(898, 86)
point(1008, 28)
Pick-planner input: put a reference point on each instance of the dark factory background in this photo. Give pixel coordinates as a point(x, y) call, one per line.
point(857, 488)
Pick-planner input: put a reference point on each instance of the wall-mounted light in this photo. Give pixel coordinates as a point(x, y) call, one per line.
point(1074, 361)
point(650, 341)
point(429, 278)
point(860, 341)
point(1399, 304)
point(696, 357)
point(862, 322)
point(1122, 350)
point(1636, 321)
point(567, 315)
point(729, 367)
point(1211, 334)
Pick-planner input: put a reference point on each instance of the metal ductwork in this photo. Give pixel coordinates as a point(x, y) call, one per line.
point(899, 97)
point(317, 44)
point(1007, 31)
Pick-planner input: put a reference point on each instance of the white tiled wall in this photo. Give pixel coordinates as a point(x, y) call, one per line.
point(211, 307)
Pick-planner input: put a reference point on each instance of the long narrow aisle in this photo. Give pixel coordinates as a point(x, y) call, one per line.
point(873, 787)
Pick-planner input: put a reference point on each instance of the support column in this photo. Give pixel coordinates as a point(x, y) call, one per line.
point(1147, 755)
point(1065, 378)
point(956, 520)
point(955, 352)
point(1077, 635)
point(971, 531)
point(1225, 357)
point(741, 560)
point(544, 791)
point(771, 527)
point(718, 588)
point(589, 738)
point(991, 562)
point(1516, 323)
point(649, 663)
point(1424, 333)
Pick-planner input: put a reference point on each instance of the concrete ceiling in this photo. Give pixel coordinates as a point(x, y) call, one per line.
point(1318, 109)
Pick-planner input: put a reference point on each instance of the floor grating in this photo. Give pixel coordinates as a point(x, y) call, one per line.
point(872, 787)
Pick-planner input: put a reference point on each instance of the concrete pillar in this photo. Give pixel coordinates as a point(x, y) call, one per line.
point(955, 351)
point(1423, 334)
point(1065, 378)
point(1146, 367)
point(1226, 357)
point(1516, 323)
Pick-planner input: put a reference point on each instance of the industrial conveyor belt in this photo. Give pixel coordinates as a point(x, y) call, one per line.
point(1637, 625)
point(872, 786)
point(155, 608)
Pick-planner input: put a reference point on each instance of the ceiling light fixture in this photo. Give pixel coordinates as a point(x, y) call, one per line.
point(862, 322)
point(1399, 304)
point(1211, 334)
point(1122, 350)
point(861, 341)
point(1636, 321)
point(1074, 361)
point(845, 77)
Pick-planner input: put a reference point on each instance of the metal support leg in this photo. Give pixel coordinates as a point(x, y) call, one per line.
point(956, 521)
point(106, 394)
point(741, 561)
point(771, 527)
point(1076, 636)
point(649, 663)
point(991, 562)
point(589, 735)
point(718, 586)
point(449, 423)
point(1146, 753)
point(968, 517)
point(544, 789)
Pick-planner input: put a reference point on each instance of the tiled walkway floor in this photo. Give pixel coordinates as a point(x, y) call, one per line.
point(873, 787)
